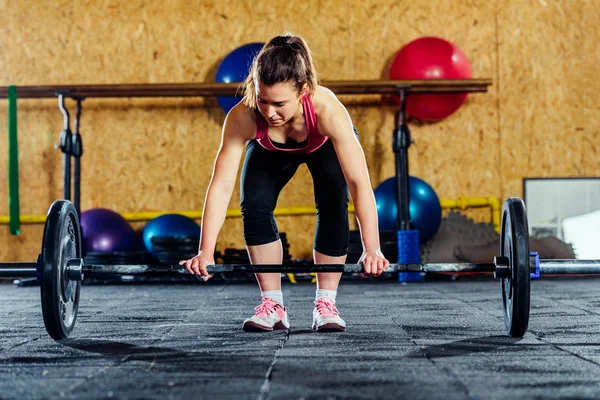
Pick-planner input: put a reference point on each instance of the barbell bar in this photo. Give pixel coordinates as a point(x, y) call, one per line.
point(75, 268)
point(60, 268)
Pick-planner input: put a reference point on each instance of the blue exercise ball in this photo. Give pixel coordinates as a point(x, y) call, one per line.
point(235, 68)
point(106, 231)
point(425, 209)
point(170, 226)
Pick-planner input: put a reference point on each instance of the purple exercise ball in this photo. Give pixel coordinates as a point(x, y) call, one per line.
point(106, 231)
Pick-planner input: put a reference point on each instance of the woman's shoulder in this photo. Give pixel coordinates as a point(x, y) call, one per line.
point(325, 101)
point(323, 95)
point(243, 120)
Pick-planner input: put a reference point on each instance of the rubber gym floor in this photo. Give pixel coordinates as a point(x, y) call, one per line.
point(427, 340)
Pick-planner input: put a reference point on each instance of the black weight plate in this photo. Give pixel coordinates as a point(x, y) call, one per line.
point(118, 257)
point(61, 243)
point(384, 236)
point(514, 245)
point(175, 240)
point(186, 247)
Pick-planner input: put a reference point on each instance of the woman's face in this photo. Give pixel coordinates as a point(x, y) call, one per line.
point(278, 103)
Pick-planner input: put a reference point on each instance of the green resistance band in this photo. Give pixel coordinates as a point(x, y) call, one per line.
point(14, 223)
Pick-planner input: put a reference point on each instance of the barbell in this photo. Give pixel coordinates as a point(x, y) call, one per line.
point(60, 268)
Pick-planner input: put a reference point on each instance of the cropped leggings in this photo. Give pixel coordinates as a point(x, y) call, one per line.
point(264, 175)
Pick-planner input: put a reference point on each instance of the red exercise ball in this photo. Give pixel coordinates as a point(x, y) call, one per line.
point(431, 58)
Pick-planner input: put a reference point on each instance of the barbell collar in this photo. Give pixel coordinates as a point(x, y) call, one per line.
point(502, 270)
point(75, 269)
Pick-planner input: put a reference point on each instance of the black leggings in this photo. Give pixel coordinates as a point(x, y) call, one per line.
point(265, 173)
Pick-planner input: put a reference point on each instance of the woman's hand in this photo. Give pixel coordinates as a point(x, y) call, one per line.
point(374, 262)
point(197, 265)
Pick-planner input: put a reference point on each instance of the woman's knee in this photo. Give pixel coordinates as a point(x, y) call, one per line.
point(331, 235)
point(259, 226)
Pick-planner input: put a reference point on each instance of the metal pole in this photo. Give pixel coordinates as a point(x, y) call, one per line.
point(571, 267)
point(547, 267)
point(400, 145)
point(77, 152)
point(134, 269)
point(65, 147)
point(16, 269)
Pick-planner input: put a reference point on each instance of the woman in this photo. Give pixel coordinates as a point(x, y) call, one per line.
point(287, 119)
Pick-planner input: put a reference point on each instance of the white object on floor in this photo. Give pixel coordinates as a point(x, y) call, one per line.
point(583, 233)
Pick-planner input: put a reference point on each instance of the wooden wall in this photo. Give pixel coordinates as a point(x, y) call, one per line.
point(540, 117)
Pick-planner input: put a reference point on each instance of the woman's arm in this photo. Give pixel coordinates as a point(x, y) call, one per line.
point(236, 131)
point(336, 123)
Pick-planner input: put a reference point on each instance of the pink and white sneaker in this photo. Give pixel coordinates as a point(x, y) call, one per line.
point(268, 315)
point(326, 317)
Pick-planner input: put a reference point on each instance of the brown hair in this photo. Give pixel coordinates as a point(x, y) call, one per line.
point(285, 58)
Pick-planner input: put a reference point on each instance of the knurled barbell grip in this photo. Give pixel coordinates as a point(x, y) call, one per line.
point(133, 269)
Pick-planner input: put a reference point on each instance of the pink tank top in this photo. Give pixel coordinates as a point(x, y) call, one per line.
point(315, 139)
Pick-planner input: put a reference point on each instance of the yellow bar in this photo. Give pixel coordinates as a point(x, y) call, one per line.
point(26, 219)
point(231, 213)
point(148, 215)
point(461, 203)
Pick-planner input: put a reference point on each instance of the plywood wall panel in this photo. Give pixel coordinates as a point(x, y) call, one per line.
point(540, 118)
point(544, 50)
